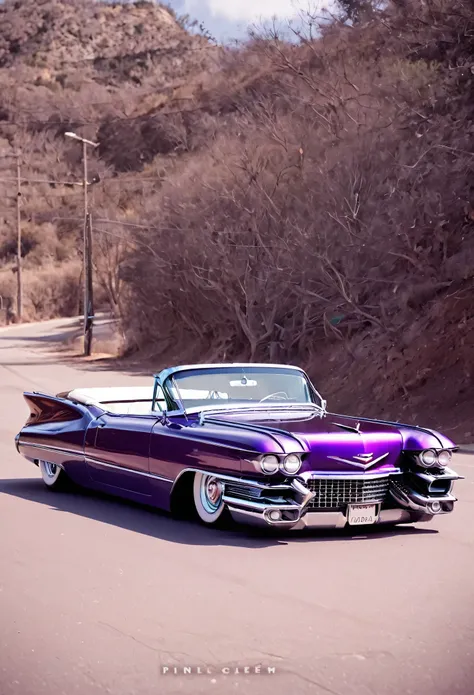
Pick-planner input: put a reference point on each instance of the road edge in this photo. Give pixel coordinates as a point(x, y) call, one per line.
point(466, 449)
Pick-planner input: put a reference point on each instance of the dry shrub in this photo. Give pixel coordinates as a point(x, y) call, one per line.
point(327, 208)
point(53, 291)
point(48, 292)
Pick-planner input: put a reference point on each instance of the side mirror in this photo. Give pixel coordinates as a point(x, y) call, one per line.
point(166, 422)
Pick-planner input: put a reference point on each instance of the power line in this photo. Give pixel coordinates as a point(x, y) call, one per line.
point(111, 101)
point(124, 224)
point(135, 179)
point(229, 244)
point(141, 54)
point(114, 234)
point(108, 179)
point(51, 182)
point(101, 120)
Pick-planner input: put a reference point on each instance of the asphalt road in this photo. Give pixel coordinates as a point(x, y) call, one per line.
point(98, 595)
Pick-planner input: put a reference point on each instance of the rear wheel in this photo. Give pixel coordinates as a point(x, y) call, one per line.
point(53, 476)
point(208, 495)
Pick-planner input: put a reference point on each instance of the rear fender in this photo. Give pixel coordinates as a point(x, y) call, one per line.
point(55, 431)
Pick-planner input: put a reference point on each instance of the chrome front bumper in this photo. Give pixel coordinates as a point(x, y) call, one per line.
point(325, 520)
point(296, 513)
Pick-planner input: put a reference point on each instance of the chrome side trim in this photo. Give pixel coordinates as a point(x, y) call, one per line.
point(49, 447)
point(124, 469)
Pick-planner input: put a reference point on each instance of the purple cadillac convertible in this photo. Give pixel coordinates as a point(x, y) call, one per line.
point(251, 440)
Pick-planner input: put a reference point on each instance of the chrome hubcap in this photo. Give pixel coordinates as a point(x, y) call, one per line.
point(50, 469)
point(214, 491)
point(211, 493)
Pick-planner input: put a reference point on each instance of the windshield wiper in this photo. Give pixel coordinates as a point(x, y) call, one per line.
point(209, 410)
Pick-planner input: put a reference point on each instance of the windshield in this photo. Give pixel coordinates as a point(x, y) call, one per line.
point(222, 386)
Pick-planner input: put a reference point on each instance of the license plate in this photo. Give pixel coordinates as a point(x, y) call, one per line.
point(360, 514)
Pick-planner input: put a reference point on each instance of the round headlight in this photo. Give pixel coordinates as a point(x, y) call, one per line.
point(428, 458)
point(444, 458)
point(270, 464)
point(292, 464)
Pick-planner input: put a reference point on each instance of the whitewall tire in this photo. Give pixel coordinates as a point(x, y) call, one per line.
point(208, 495)
point(53, 476)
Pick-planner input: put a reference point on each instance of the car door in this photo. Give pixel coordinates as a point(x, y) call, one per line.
point(117, 451)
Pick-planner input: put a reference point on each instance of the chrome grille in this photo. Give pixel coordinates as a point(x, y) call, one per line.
point(333, 493)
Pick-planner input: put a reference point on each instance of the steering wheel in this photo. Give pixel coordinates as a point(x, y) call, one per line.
point(213, 395)
point(272, 395)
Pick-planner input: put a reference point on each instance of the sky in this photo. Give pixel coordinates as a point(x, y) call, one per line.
point(227, 19)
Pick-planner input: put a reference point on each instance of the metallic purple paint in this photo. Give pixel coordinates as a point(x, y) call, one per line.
point(142, 457)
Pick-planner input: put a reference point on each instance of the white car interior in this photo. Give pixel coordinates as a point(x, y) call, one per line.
point(129, 400)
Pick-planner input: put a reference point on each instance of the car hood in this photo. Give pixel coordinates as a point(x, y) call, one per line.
point(336, 442)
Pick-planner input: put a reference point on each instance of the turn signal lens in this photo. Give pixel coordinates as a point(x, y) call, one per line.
point(270, 464)
point(292, 464)
point(444, 458)
point(428, 458)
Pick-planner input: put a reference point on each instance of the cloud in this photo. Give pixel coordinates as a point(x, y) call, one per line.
point(246, 10)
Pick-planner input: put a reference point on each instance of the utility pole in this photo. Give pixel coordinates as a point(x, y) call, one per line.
point(87, 259)
point(88, 289)
point(19, 301)
point(16, 155)
point(87, 245)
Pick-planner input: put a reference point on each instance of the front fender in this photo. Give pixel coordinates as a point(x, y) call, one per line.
point(417, 439)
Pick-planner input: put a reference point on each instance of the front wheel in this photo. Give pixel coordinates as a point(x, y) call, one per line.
point(53, 476)
point(208, 495)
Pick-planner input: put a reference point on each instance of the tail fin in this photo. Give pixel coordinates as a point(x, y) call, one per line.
point(44, 408)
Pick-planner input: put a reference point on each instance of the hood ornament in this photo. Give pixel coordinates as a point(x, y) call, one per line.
point(351, 428)
point(363, 461)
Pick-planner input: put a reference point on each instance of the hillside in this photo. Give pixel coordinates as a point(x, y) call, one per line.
point(93, 67)
point(306, 201)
